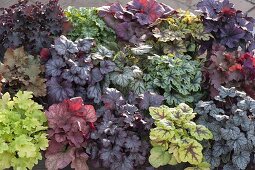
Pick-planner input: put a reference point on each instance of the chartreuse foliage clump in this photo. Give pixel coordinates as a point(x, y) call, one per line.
point(230, 117)
point(23, 71)
point(177, 77)
point(22, 135)
point(86, 23)
point(181, 33)
point(176, 137)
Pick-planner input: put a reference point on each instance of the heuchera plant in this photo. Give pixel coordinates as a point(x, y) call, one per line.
point(23, 72)
point(131, 22)
point(229, 26)
point(70, 124)
point(180, 33)
point(177, 77)
point(127, 75)
point(31, 25)
point(230, 117)
point(75, 70)
point(234, 69)
point(22, 131)
point(86, 23)
point(122, 129)
point(176, 137)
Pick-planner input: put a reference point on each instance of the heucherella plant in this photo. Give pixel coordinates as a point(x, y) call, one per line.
point(177, 77)
point(87, 23)
point(128, 75)
point(230, 117)
point(22, 135)
point(176, 137)
point(180, 33)
point(229, 69)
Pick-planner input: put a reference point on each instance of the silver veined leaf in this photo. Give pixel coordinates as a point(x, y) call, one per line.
point(138, 86)
point(241, 159)
point(141, 50)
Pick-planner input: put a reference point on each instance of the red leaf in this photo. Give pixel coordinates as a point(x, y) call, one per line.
point(75, 104)
point(235, 67)
point(45, 53)
point(57, 115)
point(90, 113)
point(228, 11)
point(148, 11)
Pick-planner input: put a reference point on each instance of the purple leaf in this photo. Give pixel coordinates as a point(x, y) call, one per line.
point(85, 44)
point(60, 160)
point(125, 30)
point(58, 90)
point(231, 35)
point(112, 98)
point(96, 75)
point(107, 66)
point(54, 66)
point(133, 143)
point(94, 92)
point(62, 45)
point(149, 99)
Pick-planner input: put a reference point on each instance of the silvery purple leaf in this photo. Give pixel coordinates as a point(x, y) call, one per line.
point(94, 92)
point(54, 66)
point(149, 99)
point(62, 45)
point(107, 66)
point(58, 90)
point(85, 44)
point(96, 75)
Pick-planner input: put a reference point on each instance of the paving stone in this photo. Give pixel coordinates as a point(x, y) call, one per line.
point(243, 5)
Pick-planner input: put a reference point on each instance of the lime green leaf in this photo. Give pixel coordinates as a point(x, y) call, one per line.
point(22, 135)
point(5, 161)
point(159, 113)
point(201, 166)
point(160, 133)
point(159, 157)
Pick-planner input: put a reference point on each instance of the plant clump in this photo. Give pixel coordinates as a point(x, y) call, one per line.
point(70, 124)
point(23, 71)
point(75, 70)
point(121, 136)
point(230, 117)
point(177, 77)
point(176, 137)
point(22, 130)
